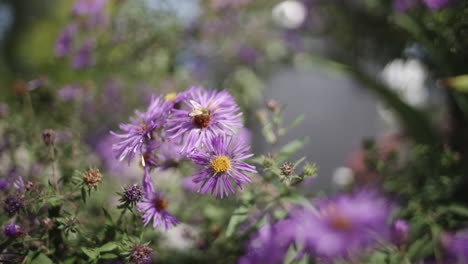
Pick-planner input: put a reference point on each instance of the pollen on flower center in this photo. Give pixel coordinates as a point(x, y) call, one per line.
point(170, 97)
point(221, 164)
point(160, 204)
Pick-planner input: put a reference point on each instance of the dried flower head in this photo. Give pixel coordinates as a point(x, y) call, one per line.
point(92, 178)
point(141, 254)
point(49, 136)
point(287, 169)
point(13, 203)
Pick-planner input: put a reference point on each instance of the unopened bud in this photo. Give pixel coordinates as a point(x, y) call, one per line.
point(48, 136)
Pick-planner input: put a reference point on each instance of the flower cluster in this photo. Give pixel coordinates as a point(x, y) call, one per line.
point(88, 15)
point(197, 124)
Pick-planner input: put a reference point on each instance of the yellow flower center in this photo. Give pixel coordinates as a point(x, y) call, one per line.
point(221, 164)
point(170, 97)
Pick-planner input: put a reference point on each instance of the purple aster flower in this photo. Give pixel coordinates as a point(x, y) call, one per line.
point(154, 207)
point(204, 115)
point(14, 231)
point(270, 244)
point(140, 131)
point(399, 231)
point(83, 57)
point(64, 41)
point(456, 245)
point(220, 162)
point(69, 92)
point(437, 4)
point(344, 225)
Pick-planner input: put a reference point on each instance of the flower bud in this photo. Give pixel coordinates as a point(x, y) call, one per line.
point(92, 178)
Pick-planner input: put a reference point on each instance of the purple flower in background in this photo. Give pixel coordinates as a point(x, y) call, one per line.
point(84, 57)
point(188, 184)
point(140, 131)
point(248, 55)
point(69, 92)
point(88, 7)
point(399, 231)
point(245, 136)
point(14, 231)
point(437, 4)
point(64, 41)
point(154, 207)
point(168, 155)
point(270, 244)
point(205, 115)
point(403, 5)
point(456, 245)
point(220, 162)
point(4, 185)
point(344, 224)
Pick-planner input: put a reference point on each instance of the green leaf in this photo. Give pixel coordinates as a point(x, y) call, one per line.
point(292, 147)
point(90, 252)
point(239, 216)
point(458, 209)
point(296, 121)
point(41, 259)
point(108, 247)
point(109, 256)
point(108, 221)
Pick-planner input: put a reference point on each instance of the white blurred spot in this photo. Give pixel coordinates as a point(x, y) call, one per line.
point(289, 14)
point(343, 176)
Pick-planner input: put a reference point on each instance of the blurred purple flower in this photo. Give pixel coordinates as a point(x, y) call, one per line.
point(221, 162)
point(12, 230)
point(248, 55)
point(399, 231)
point(345, 224)
point(403, 5)
point(69, 92)
point(456, 245)
point(270, 244)
point(88, 7)
point(83, 57)
point(437, 4)
point(188, 184)
point(64, 41)
point(204, 115)
point(140, 131)
point(104, 149)
point(4, 185)
point(154, 207)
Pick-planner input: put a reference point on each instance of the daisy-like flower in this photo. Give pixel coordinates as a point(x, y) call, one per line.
point(220, 161)
point(203, 115)
point(141, 130)
point(154, 207)
point(345, 224)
